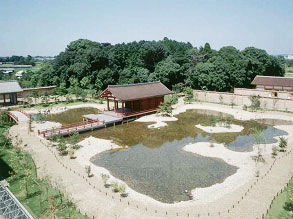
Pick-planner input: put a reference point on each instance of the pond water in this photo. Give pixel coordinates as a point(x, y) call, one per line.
point(71, 115)
point(155, 163)
point(165, 172)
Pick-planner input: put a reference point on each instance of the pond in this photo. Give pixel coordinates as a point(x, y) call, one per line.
point(156, 165)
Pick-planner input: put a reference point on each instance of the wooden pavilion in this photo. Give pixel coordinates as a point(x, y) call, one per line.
point(135, 99)
point(9, 91)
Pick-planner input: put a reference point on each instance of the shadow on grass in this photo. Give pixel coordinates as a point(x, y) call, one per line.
point(33, 194)
point(288, 206)
point(5, 170)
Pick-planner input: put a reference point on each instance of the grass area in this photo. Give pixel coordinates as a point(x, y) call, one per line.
point(279, 207)
point(38, 196)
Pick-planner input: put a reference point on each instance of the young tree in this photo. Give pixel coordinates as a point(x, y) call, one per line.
point(88, 170)
point(165, 109)
point(283, 143)
point(74, 139)
point(188, 95)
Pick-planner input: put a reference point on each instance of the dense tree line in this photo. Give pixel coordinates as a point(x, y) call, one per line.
point(289, 63)
point(93, 65)
point(19, 60)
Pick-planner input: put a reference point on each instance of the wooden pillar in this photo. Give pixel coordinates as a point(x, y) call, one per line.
point(4, 98)
point(108, 105)
point(115, 106)
point(131, 106)
point(122, 107)
point(16, 98)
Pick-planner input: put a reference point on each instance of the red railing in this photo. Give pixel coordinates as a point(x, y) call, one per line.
point(134, 113)
point(70, 128)
point(23, 112)
point(140, 112)
point(13, 117)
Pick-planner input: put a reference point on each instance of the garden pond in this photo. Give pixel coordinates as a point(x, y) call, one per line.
point(155, 164)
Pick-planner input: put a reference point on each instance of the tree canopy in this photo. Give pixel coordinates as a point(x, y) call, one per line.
point(96, 65)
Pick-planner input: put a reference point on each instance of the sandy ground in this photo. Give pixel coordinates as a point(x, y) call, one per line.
point(159, 121)
point(220, 128)
point(93, 146)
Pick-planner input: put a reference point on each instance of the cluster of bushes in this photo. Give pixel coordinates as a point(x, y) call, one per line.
point(225, 121)
point(283, 142)
point(66, 148)
point(116, 187)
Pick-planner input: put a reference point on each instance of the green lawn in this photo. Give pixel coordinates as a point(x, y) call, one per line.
point(41, 197)
point(278, 211)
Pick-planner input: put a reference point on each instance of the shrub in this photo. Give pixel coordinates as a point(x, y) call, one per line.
point(255, 102)
point(165, 109)
point(275, 151)
point(115, 187)
point(62, 147)
point(74, 139)
point(88, 170)
point(283, 143)
point(188, 95)
point(105, 178)
point(171, 99)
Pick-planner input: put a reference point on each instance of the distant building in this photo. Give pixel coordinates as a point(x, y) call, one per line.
point(273, 83)
point(289, 57)
point(9, 91)
point(7, 70)
point(19, 74)
point(277, 85)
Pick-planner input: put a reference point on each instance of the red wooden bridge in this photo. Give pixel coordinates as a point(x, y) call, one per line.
point(72, 128)
point(19, 115)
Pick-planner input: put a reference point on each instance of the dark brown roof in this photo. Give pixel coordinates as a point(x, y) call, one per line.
point(272, 81)
point(138, 91)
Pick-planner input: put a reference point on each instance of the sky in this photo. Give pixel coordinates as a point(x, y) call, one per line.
point(46, 27)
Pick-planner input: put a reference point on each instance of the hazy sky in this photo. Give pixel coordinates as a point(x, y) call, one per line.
point(45, 27)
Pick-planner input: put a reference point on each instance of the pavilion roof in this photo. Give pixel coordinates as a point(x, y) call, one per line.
point(7, 87)
point(136, 91)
